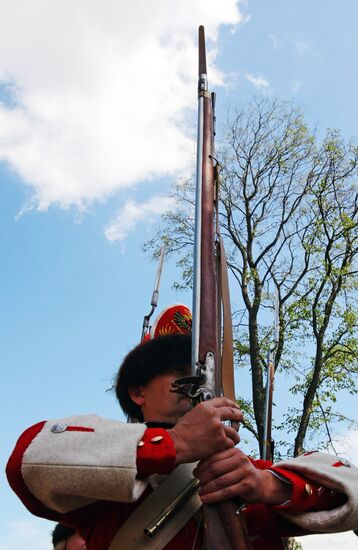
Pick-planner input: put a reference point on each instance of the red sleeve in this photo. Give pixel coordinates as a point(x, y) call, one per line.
point(260, 464)
point(14, 474)
point(155, 453)
point(307, 495)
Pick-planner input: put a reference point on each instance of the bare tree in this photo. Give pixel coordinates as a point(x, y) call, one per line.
point(288, 213)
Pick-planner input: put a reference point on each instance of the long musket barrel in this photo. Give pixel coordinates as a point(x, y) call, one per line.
point(223, 527)
point(205, 314)
point(202, 87)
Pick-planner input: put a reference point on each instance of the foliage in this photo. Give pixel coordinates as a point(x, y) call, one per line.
point(292, 544)
point(288, 214)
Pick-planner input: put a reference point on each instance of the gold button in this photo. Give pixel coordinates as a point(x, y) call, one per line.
point(320, 491)
point(308, 489)
point(156, 439)
point(140, 444)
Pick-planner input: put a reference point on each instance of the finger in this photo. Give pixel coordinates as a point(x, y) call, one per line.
point(222, 482)
point(230, 413)
point(236, 425)
point(232, 434)
point(223, 402)
point(220, 495)
point(211, 460)
point(217, 469)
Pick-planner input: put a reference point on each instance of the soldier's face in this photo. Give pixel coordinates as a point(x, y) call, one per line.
point(160, 404)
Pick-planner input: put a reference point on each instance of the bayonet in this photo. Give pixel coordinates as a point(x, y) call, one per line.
point(155, 295)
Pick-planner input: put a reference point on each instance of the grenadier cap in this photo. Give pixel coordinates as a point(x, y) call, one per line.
point(175, 319)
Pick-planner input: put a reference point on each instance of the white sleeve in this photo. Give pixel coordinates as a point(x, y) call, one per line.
point(77, 460)
point(335, 474)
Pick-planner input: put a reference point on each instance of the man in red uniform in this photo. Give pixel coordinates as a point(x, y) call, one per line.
point(98, 475)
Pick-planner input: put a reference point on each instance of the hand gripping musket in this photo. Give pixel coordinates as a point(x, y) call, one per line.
point(155, 295)
point(212, 371)
point(268, 446)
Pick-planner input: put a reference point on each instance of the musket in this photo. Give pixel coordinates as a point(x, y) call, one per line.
point(268, 446)
point(155, 295)
point(222, 523)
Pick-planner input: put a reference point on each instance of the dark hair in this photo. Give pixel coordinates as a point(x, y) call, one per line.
point(61, 532)
point(146, 361)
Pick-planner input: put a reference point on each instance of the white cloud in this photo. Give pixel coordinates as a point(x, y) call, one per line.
point(257, 80)
point(346, 446)
point(275, 42)
point(102, 91)
point(133, 213)
point(27, 533)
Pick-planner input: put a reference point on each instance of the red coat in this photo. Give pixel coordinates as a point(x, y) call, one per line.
point(99, 521)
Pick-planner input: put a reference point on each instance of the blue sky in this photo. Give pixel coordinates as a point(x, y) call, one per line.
point(97, 120)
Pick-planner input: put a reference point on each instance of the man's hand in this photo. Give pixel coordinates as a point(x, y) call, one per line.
point(230, 473)
point(200, 432)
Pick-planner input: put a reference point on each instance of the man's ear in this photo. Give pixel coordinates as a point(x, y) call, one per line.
point(137, 395)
